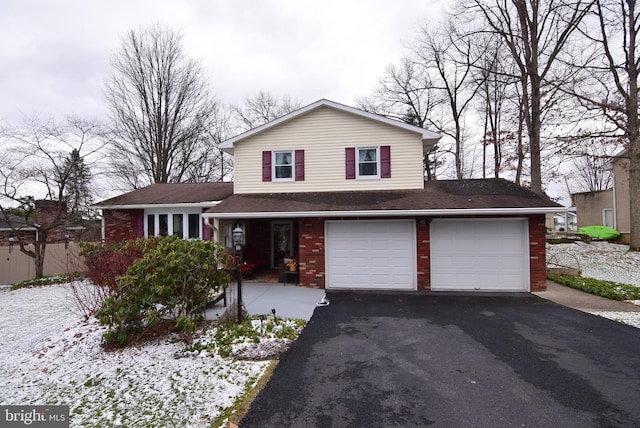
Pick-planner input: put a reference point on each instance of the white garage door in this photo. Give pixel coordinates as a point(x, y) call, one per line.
point(371, 254)
point(480, 254)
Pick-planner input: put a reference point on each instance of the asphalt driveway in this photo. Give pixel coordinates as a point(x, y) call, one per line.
point(388, 360)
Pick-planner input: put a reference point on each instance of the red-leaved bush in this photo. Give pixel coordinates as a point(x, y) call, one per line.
point(107, 261)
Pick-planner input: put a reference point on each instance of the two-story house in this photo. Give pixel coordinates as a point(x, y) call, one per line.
point(343, 192)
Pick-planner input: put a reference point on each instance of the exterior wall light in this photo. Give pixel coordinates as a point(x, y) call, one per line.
point(238, 240)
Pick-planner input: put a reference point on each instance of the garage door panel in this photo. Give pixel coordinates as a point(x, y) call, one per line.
point(479, 254)
point(371, 254)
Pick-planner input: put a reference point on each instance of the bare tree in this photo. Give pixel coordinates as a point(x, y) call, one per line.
point(262, 108)
point(407, 93)
point(160, 107)
point(592, 166)
point(608, 85)
point(454, 61)
point(535, 32)
point(218, 165)
point(43, 165)
point(495, 100)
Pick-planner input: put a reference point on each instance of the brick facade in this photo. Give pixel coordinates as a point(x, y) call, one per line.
point(537, 252)
point(312, 253)
point(423, 246)
point(120, 225)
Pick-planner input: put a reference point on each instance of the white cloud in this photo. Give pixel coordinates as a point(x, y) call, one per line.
point(56, 55)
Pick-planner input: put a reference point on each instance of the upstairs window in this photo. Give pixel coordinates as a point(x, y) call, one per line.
point(283, 165)
point(368, 162)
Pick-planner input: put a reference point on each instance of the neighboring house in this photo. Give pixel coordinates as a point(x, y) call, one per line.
point(61, 251)
point(342, 191)
point(610, 207)
point(45, 212)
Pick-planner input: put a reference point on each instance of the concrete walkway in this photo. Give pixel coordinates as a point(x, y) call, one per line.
point(582, 301)
point(289, 301)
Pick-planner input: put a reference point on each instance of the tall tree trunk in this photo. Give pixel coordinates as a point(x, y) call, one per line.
point(520, 148)
point(534, 137)
point(633, 124)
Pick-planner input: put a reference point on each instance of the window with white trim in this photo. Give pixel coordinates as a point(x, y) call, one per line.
point(283, 165)
point(177, 222)
point(368, 162)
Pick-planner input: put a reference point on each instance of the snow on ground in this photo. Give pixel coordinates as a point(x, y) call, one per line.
point(605, 261)
point(50, 356)
point(630, 318)
point(599, 260)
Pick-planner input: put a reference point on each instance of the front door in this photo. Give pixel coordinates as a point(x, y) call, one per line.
point(281, 242)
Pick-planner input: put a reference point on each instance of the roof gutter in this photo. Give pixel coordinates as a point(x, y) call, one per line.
point(388, 213)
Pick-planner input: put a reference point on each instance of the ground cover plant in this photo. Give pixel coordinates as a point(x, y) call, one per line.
point(609, 289)
point(48, 280)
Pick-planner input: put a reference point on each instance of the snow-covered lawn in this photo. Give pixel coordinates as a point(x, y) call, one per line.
point(599, 260)
point(605, 261)
point(50, 356)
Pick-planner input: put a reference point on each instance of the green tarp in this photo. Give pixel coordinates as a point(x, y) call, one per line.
point(600, 232)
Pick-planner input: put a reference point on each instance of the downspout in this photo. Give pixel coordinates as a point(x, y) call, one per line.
point(103, 225)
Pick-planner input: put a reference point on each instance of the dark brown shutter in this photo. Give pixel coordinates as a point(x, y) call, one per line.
point(299, 165)
point(350, 162)
point(266, 166)
point(385, 161)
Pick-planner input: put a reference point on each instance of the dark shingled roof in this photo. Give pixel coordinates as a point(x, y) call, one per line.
point(15, 221)
point(437, 195)
point(172, 193)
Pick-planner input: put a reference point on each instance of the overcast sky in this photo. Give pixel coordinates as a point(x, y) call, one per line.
point(55, 55)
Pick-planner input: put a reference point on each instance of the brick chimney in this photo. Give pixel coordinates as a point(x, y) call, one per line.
point(46, 214)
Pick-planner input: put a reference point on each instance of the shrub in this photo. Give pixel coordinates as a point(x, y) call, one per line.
point(609, 289)
point(173, 280)
point(107, 261)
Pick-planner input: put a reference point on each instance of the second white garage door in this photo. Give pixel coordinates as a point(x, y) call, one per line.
point(371, 254)
point(480, 254)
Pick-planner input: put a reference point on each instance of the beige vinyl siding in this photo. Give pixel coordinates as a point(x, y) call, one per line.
point(324, 134)
point(622, 195)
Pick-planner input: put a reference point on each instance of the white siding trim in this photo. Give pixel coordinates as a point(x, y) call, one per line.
point(388, 213)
